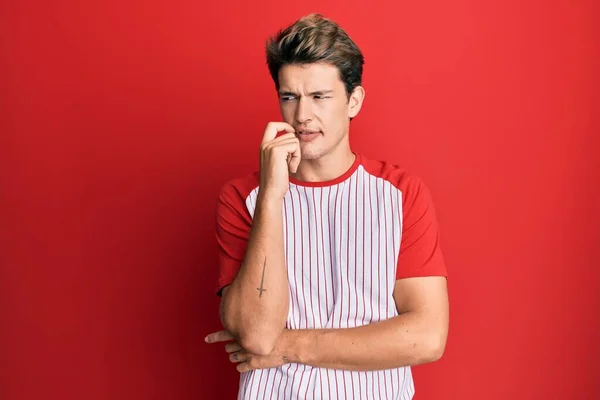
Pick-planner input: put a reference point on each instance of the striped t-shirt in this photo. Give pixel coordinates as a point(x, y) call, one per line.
point(346, 241)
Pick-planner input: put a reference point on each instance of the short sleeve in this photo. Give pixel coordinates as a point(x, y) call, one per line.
point(233, 224)
point(420, 252)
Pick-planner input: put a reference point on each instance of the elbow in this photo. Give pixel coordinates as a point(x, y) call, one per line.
point(251, 338)
point(257, 345)
point(434, 348)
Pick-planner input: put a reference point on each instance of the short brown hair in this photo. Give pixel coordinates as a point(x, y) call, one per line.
point(315, 39)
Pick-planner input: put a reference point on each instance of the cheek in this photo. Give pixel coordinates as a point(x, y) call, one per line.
point(332, 115)
point(287, 111)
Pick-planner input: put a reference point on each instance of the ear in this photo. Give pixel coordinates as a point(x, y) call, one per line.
point(355, 101)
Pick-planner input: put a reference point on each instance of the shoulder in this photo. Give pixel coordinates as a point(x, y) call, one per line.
point(235, 191)
point(409, 184)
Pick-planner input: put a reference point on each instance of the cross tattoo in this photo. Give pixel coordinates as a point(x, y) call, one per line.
point(262, 280)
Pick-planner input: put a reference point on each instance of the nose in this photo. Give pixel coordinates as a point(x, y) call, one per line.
point(304, 111)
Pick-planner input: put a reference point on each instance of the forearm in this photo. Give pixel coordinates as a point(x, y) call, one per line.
point(255, 306)
point(400, 341)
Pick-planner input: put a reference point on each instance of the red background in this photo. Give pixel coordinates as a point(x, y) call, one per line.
point(119, 122)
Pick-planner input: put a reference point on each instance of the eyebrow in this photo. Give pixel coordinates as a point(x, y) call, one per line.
point(315, 93)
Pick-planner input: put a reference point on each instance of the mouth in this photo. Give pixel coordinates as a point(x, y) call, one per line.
point(307, 135)
point(307, 132)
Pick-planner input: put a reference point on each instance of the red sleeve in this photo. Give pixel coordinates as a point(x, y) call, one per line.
point(420, 252)
point(233, 223)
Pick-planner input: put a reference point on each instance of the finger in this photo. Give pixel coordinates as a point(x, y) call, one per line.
point(232, 347)
point(275, 143)
point(238, 357)
point(220, 336)
point(293, 154)
point(283, 138)
point(275, 127)
point(244, 367)
point(286, 149)
point(295, 159)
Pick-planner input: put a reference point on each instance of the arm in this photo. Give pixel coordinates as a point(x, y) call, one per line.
point(254, 306)
point(416, 336)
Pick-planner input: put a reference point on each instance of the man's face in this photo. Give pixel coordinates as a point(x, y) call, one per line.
point(313, 100)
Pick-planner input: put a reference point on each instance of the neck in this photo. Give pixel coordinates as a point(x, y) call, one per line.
point(327, 167)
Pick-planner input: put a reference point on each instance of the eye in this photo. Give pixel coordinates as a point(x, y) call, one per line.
point(287, 98)
point(320, 97)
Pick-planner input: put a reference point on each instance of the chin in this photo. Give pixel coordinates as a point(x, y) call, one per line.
point(310, 154)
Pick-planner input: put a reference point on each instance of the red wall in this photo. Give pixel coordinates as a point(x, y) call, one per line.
point(120, 121)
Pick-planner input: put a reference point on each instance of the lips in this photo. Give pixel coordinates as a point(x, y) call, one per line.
point(308, 136)
point(307, 132)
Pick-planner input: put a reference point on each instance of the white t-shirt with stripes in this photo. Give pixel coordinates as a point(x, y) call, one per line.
point(346, 242)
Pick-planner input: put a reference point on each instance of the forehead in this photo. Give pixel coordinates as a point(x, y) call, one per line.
point(309, 77)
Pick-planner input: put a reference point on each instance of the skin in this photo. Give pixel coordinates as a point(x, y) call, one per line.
point(254, 307)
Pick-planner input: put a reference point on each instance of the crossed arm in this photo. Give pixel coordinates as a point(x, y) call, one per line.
point(254, 307)
point(416, 336)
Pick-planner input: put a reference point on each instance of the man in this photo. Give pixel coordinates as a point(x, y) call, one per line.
point(331, 275)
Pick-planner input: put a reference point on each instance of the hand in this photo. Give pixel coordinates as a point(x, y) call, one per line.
point(248, 361)
point(278, 157)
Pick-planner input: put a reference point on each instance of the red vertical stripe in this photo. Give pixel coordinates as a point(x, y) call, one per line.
point(364, 221)
point(372, 260)
point(280, 374)
point(319, 264)
point(323, 250)
point(378, 254)
point(388, 382)
point(266, 383)
point(301, 379)
point(385, 249)
point(248, 385)
point(340, 266)
point(308, 383)
point(295, 268)
point(310, 264)
point(294, 381)
point(400, 223)
point(335, 270)
point(355, 374)
point(260, 372)
point(302, 246)
point(356, 249)
point(290, 320)
point(403, 381)
point(337, 299)
point(387, 281)
point(298, 312)
point(379, 383)
point(252, 381)
point(287, 378)
point(337, 372)
point(332, 268)
point(348, 245)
